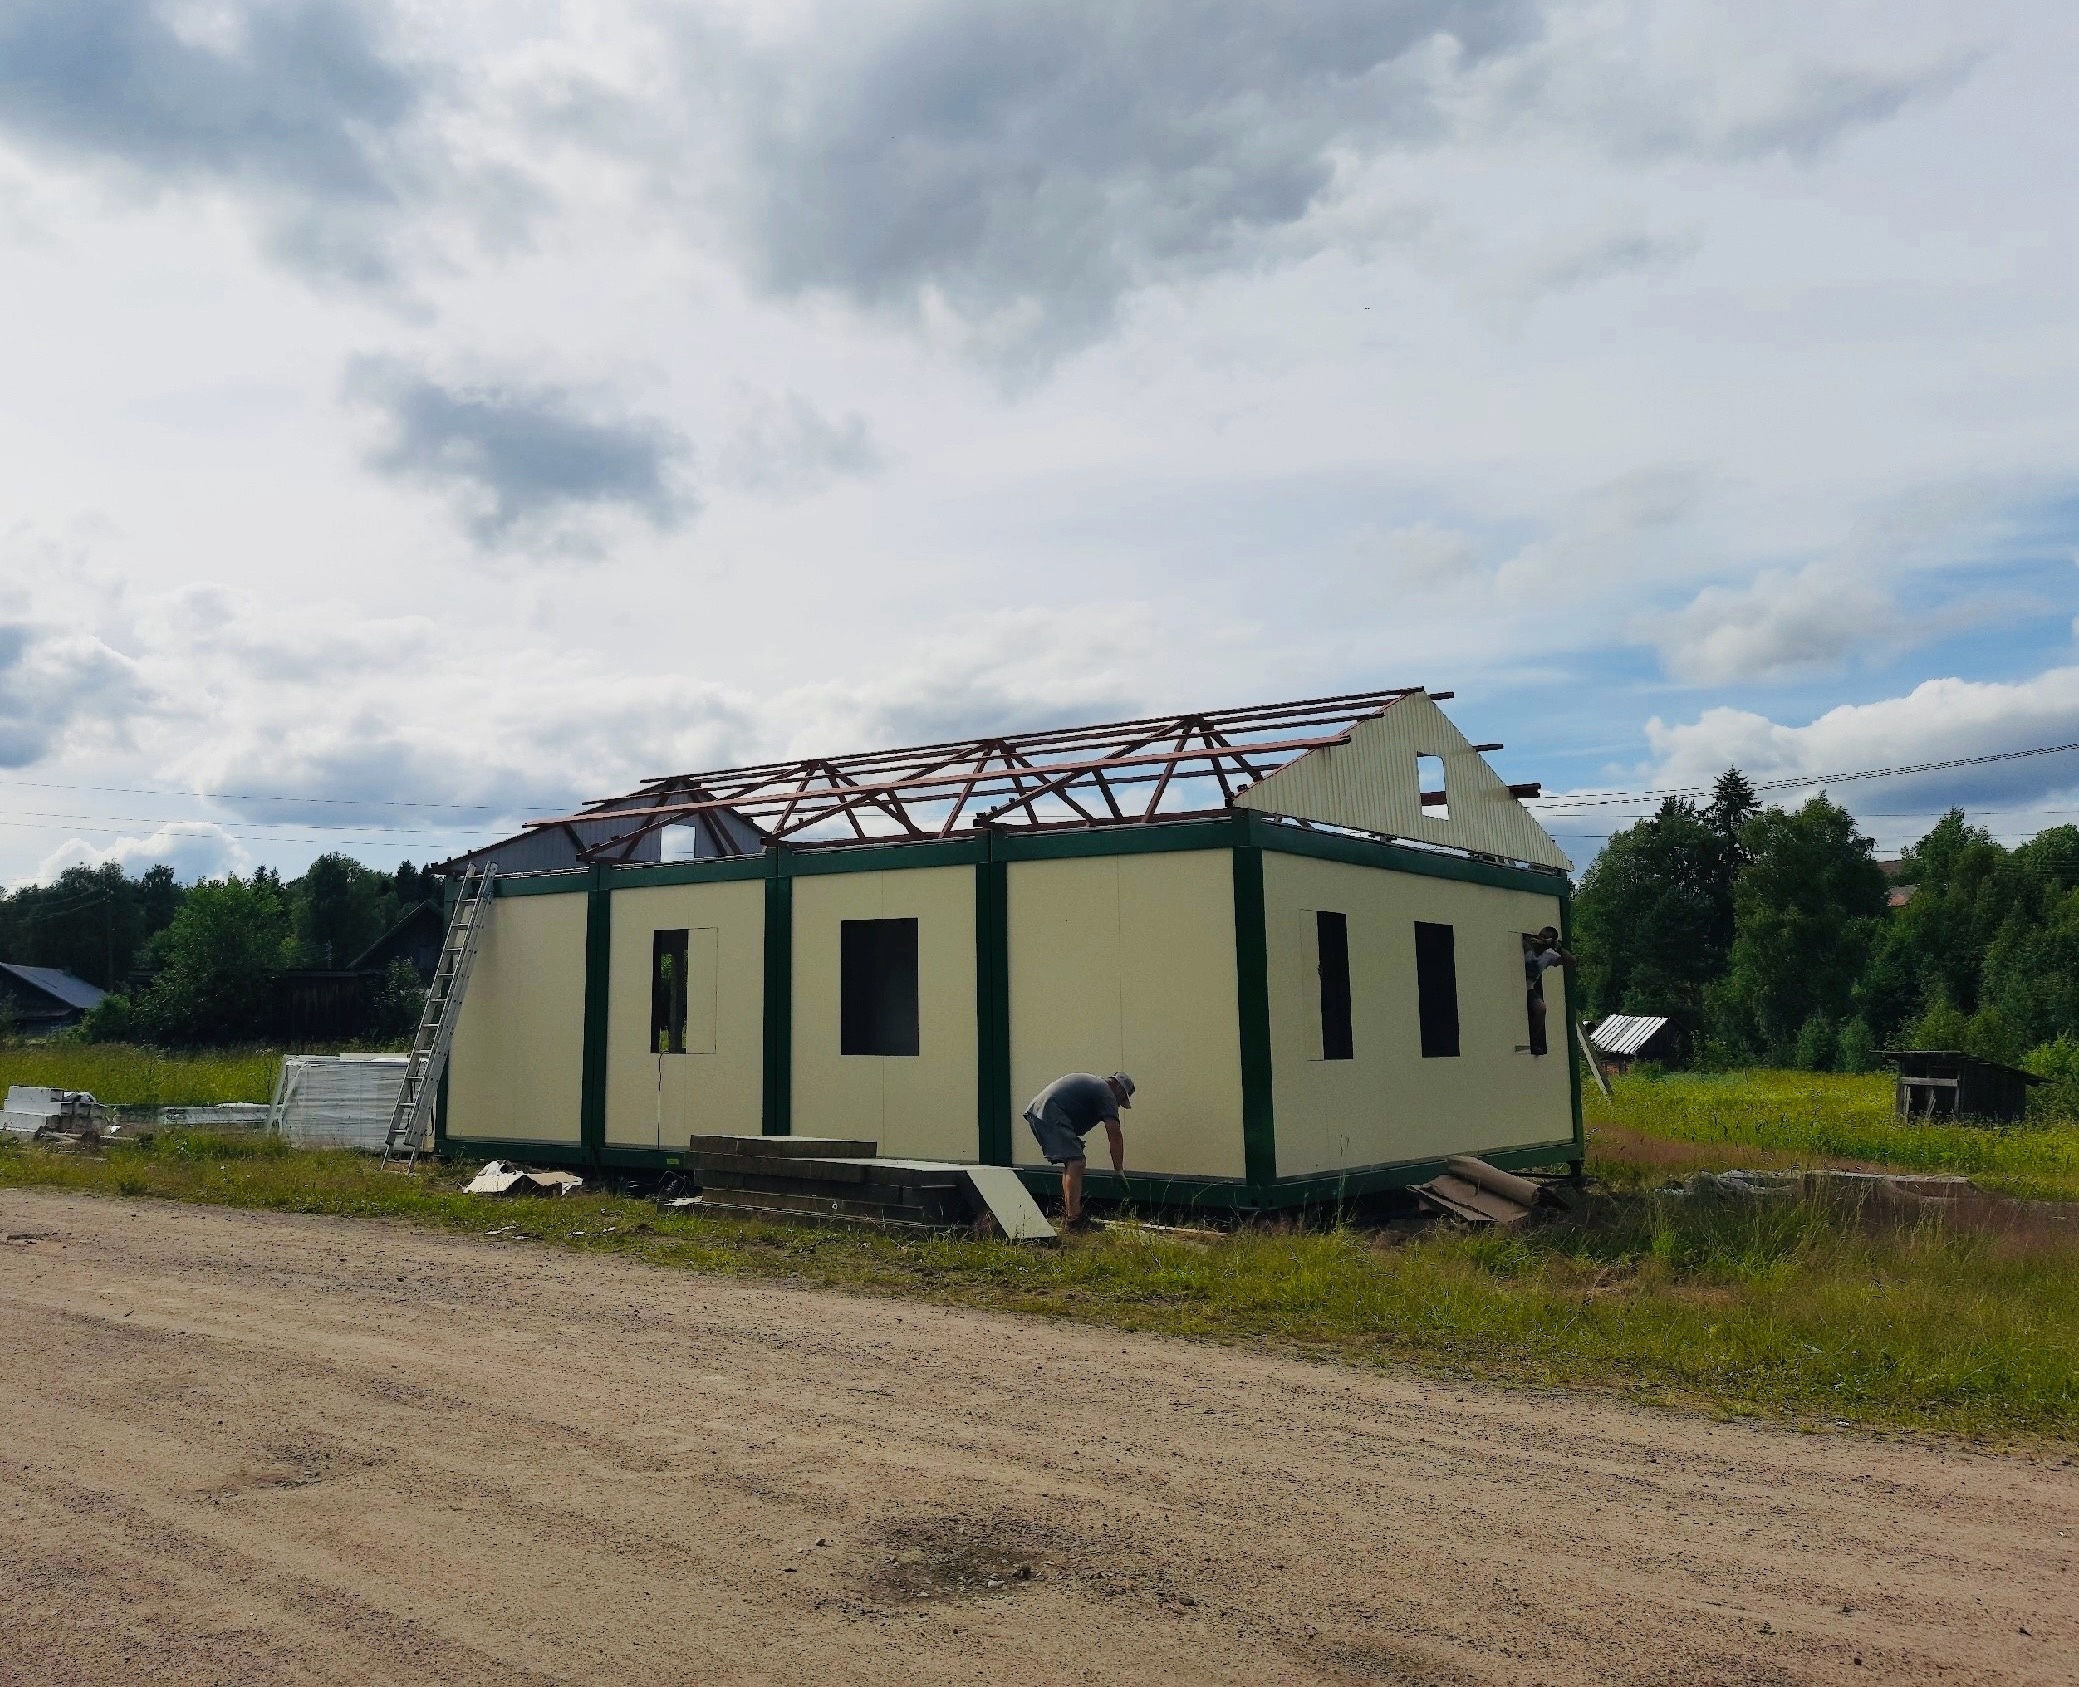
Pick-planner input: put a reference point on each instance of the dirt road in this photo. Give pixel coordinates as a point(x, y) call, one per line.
point(246, 1448)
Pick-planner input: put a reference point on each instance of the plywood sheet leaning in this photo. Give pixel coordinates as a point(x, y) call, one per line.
point(1006, 1199)
point(1371, 785)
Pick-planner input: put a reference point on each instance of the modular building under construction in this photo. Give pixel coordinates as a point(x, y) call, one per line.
point(1302, 928)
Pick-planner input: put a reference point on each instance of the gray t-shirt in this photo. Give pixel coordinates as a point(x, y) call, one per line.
point(1079, 1102)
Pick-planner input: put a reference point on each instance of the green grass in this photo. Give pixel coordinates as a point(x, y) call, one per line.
point(1685, 1121)
point(1798, 1307)
point(128, 1075)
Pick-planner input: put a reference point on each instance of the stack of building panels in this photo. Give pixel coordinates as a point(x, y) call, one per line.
point(337, 1100)
point(830, 1178)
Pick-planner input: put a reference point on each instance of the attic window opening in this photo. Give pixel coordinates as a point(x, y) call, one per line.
point(877, 965)
point(1431, 789)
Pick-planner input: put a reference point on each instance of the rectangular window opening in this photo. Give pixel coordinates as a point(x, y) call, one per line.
point(1436, 989)
point(877, 1011)
point(1534, 994)
point(1332, 939)
point(668, 992)
point(1434, 795)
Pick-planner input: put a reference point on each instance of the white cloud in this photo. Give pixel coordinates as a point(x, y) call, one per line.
point(783, 446)
point(194, 849)
point(1778, 625)
point(1940, 720)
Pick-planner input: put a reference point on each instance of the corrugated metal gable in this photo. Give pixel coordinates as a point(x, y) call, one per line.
point(1370, 784)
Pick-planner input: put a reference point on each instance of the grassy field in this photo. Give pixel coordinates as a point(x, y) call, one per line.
point(126, 1075)
point(1794, 1306)
point(1655, 1127)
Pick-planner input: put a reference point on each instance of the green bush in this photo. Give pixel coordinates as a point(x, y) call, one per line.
point(1818, 1045)
point(1858, 1047)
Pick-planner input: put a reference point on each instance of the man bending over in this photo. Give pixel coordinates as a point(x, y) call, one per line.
point(1068, 1110)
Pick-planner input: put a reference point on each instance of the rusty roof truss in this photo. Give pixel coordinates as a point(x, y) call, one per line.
point(1163, 767)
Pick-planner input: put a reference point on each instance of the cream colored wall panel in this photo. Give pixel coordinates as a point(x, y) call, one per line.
point(1388, 1103)
point(1127, 963)
point(919, 1106)
point(517, 1069)
point(716, 1088)
point(1370, 784)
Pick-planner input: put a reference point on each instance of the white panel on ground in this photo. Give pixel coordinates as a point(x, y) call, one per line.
point(1016, 1213)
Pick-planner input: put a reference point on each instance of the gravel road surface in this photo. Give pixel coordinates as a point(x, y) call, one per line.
point(251, 1448)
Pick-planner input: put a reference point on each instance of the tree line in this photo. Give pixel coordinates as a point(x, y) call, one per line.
point(200, 963)
point(1768, 934)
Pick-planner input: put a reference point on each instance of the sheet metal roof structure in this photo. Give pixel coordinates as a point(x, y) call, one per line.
point(1334, 761)
point(1625, 1033)
point(55, 981)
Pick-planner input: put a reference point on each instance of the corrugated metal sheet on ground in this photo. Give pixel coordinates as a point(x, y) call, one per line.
point(337, 1100)
point(1625, 1033)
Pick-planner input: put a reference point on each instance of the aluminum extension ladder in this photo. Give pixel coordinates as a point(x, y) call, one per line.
point(411, 1124)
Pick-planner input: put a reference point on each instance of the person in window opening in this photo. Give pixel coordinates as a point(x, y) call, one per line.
point(1540, 955)
point(1068, 1110)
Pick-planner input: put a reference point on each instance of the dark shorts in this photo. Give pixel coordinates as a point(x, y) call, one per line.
point(1060, 1144)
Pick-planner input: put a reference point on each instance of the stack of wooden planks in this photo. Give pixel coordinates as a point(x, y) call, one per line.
point(831, 1178)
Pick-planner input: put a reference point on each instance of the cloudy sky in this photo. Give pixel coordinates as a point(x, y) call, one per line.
point(417, 416)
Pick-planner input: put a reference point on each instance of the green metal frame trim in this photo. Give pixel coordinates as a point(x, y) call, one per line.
point(599, 941)
point(1573, 1041)
point(1398, 858)
point(886, 858)
point(1236, 1195)
point(776, 1117)
point(992, 1013)
point(1155, 838)
point(549, 884)
point(650, 875)
point(513, 1148)
point(1252, 1017)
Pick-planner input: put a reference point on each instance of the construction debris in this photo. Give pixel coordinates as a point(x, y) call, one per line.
point(219, 1115)
point(1476, 1193)
point(1818, 1179)
point(69, 1117)
point(501, 1177)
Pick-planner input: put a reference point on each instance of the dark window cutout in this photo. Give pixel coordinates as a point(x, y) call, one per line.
point(668, 992)
point(1332, 933)
point(877, 1011)
point(1436, 989)
point(1431, 789)
point(1534, 996)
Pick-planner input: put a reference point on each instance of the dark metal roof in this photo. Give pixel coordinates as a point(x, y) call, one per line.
point(1162, 767)
point(55, 981)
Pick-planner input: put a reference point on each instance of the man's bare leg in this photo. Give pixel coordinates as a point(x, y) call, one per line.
point(1072, 1190)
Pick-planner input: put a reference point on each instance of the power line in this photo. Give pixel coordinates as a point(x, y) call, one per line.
point(1606, 799)
point(247, 796)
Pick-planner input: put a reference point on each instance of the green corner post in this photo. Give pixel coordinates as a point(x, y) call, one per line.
point(1573, 1035)
point(599, 939)
point(1252, 1004)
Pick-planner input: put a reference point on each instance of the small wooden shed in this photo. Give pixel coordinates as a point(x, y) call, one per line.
point(1949, 1084)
